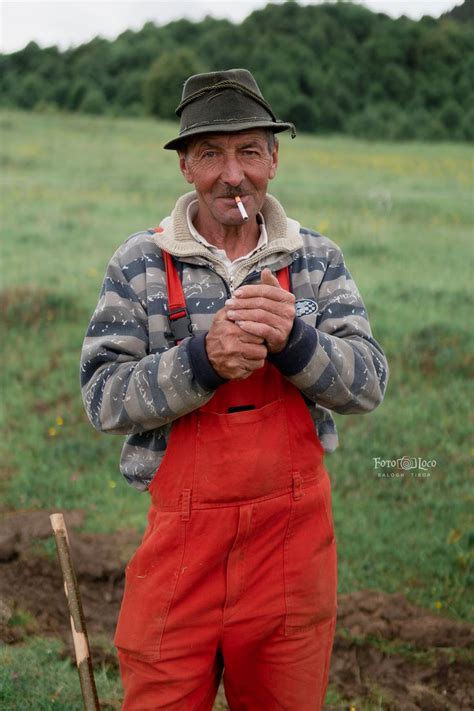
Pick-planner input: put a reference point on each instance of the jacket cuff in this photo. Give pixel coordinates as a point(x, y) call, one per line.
point(204, 373)
point(299, 350)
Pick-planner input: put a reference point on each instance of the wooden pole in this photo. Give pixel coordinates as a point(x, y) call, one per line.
point(78, 625)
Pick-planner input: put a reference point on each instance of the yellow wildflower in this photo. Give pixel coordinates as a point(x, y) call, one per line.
point(454, 536)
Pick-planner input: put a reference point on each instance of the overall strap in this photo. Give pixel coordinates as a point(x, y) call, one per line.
point(178, 315)
point(283, 276)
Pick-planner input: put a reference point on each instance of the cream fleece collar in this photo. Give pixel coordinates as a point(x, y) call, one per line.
point(283, 232)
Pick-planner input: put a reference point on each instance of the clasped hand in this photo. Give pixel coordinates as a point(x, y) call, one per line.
point(257, 320)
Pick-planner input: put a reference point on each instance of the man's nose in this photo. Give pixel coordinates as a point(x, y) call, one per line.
point(232, 172)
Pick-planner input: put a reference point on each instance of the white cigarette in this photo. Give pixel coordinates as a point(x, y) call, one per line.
point(241, 207)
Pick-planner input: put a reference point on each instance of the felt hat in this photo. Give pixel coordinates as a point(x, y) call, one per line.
point(224, 102)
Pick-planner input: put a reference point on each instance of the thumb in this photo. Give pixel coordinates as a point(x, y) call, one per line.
point(268, 278)
point(220, 315)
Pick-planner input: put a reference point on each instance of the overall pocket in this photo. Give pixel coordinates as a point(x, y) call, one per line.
point(310, 564)
point(242, 456)
point(150, 583)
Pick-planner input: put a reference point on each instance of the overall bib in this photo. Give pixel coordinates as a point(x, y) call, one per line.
point(237, 566)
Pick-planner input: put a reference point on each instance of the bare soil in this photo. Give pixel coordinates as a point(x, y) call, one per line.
point(385, 647)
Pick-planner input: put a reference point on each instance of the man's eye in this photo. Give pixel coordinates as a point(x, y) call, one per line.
point(250, 153)
point(209, 154)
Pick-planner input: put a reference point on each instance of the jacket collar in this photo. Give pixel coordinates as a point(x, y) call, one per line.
point(283, 232)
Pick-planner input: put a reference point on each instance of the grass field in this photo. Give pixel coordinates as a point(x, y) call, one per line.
point(73, 188)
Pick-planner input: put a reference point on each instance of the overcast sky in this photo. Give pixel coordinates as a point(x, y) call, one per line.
point(72, 22)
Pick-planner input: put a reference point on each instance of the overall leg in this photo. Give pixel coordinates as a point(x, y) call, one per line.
point(278, 635)
point(170, 624)
point(277, 671)
point(176, 685)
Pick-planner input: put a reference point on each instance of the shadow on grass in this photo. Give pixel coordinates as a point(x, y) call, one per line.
point(440, 348)
point(32, 306)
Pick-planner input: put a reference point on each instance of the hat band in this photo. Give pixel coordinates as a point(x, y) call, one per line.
point(247, 119)
point(226, 84)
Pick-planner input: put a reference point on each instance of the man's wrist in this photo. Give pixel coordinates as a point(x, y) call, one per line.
point(282, 347)
point(299, 349)
point(204, 373)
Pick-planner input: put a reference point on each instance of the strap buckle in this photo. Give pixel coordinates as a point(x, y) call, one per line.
point(180, 324)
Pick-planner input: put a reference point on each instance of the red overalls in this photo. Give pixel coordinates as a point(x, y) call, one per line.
point(237, 567)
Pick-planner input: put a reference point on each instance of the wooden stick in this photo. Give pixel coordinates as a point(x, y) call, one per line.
point(78, 625)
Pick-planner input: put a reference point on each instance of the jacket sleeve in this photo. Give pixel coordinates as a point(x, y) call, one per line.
point(336, 363)
point(126, 388)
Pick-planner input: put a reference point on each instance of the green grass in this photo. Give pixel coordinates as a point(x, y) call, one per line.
point(35, 677)
point(75, 187)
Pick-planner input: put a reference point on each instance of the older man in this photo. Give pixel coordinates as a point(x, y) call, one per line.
point(221, 342)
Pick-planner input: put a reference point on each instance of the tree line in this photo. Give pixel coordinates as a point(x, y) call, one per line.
point(331, 68)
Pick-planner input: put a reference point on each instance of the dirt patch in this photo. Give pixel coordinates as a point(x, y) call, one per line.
point(19, 529)
point(413, 658)
point(385, 647)
point(33, 583)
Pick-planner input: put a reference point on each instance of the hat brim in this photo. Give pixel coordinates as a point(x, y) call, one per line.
point(275, 127)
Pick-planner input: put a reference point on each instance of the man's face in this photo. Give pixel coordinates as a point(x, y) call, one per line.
point(222, 166)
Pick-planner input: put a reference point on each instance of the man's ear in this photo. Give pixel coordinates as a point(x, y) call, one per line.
point(183, 166)
point(274, 155)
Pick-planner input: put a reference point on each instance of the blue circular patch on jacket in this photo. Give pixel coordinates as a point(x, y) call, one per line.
point(304, 307)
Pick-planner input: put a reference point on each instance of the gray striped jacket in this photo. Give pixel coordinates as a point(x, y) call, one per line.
point(136, 381)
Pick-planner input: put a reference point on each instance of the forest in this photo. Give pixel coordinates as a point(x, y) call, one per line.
point(335, 68)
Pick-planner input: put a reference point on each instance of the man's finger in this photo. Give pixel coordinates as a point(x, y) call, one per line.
point(266, 291)
point(281, 318)
point(220, 315)
point(269, 279)
point(269, 333)
point(245, 337)
point(283, 309)
point(234, 329)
